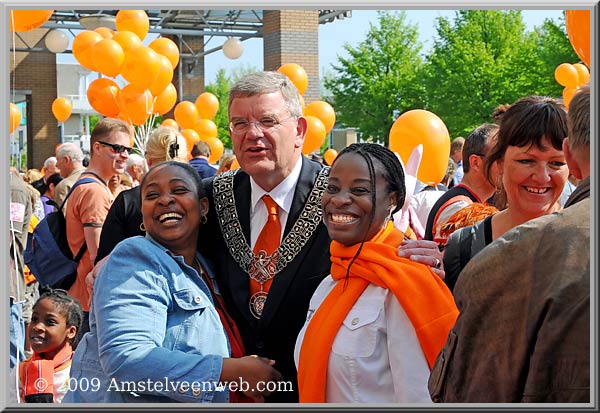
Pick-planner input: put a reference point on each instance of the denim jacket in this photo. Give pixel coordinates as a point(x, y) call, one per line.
point(155, 335)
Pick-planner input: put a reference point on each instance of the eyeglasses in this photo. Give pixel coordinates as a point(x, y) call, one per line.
point(117, 148)
point(265, 124)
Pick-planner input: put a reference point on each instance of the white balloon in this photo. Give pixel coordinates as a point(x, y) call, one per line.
point(57, 41)
point(233, 48)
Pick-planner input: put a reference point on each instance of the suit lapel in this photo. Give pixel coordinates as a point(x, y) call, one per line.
point(283, 280)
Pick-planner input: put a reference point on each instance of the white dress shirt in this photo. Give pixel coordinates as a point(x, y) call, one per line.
point(376, 356)
point(282, 194)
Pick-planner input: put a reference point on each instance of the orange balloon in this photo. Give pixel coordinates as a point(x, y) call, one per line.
point(578, 30)
point(128, 40)
point(164, 78)
point(136, 106)
point(323, 111)
point(568, 94)
point(191, 137)
point(216, 149)
point(422, 127)
point(566, 75)
point(108, 57)
point(105, 32)
point(135, 21)
point(26, 20)
point(234, 165)
point(330, 155)
point(315, 135)
point(167, 48)
point(165, 101)
point(83, 48)
point(14, 117)
point(141, 67)
point(102, 96)
point(170, 123)
point(296, 74)
point(207, 105)
point(61, 108)
point(186, 114)
point(583, 72)
point(206, 128)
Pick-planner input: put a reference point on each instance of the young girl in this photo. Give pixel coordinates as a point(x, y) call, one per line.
point(44, 377)
point(376, 324)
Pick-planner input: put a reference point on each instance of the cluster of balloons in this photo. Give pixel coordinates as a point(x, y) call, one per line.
point(196, 124)
point(319, 114)
point(421, 127)
point(147, 69)
point(572, 77)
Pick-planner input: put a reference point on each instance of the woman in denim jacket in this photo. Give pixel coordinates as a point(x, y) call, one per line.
point(155, 333)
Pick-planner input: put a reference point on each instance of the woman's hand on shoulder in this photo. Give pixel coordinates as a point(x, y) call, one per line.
point(254, 371)
point(424, 252)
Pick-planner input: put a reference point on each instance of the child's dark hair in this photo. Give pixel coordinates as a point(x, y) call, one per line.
point(392, 173)
point(69, 307)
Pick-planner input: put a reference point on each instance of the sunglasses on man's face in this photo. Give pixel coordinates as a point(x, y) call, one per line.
point(117, 148)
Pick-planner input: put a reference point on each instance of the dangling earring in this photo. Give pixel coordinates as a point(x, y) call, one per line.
point(498, 184)
point(142, 227)
point(203, 219)
point(390, 217)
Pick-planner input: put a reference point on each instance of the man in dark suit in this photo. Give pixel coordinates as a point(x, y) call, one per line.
point(267, 293)
point(267, 131)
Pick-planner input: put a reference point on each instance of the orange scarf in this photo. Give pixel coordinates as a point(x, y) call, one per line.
point(37, 374)
point(424, 297)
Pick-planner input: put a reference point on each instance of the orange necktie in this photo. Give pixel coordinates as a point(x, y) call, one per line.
point(263, 266)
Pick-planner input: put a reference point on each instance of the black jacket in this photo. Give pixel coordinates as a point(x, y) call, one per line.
point(274, 335)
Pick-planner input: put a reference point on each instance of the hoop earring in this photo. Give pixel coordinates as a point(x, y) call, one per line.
point(203, 219)
point(142, 227)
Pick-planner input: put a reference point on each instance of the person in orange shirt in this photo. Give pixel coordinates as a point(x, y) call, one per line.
point(376, 324)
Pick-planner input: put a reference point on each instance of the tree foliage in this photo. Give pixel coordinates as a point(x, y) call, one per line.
point(477, 63)
point(552, 49)
point(378, 78)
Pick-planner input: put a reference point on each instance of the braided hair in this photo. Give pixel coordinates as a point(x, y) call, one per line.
point(68, 306)
point(392, 172)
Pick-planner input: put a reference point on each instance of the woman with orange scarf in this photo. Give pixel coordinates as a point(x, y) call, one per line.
point(376, 324)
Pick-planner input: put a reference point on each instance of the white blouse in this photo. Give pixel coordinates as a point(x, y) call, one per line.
point(376, 356)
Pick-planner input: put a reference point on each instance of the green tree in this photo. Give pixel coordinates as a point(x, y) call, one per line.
point(475, 65)
point(553, 48)
point(379, 79)
point(484, 58)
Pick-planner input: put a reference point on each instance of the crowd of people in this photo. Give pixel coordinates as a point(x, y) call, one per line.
point(287, 281)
